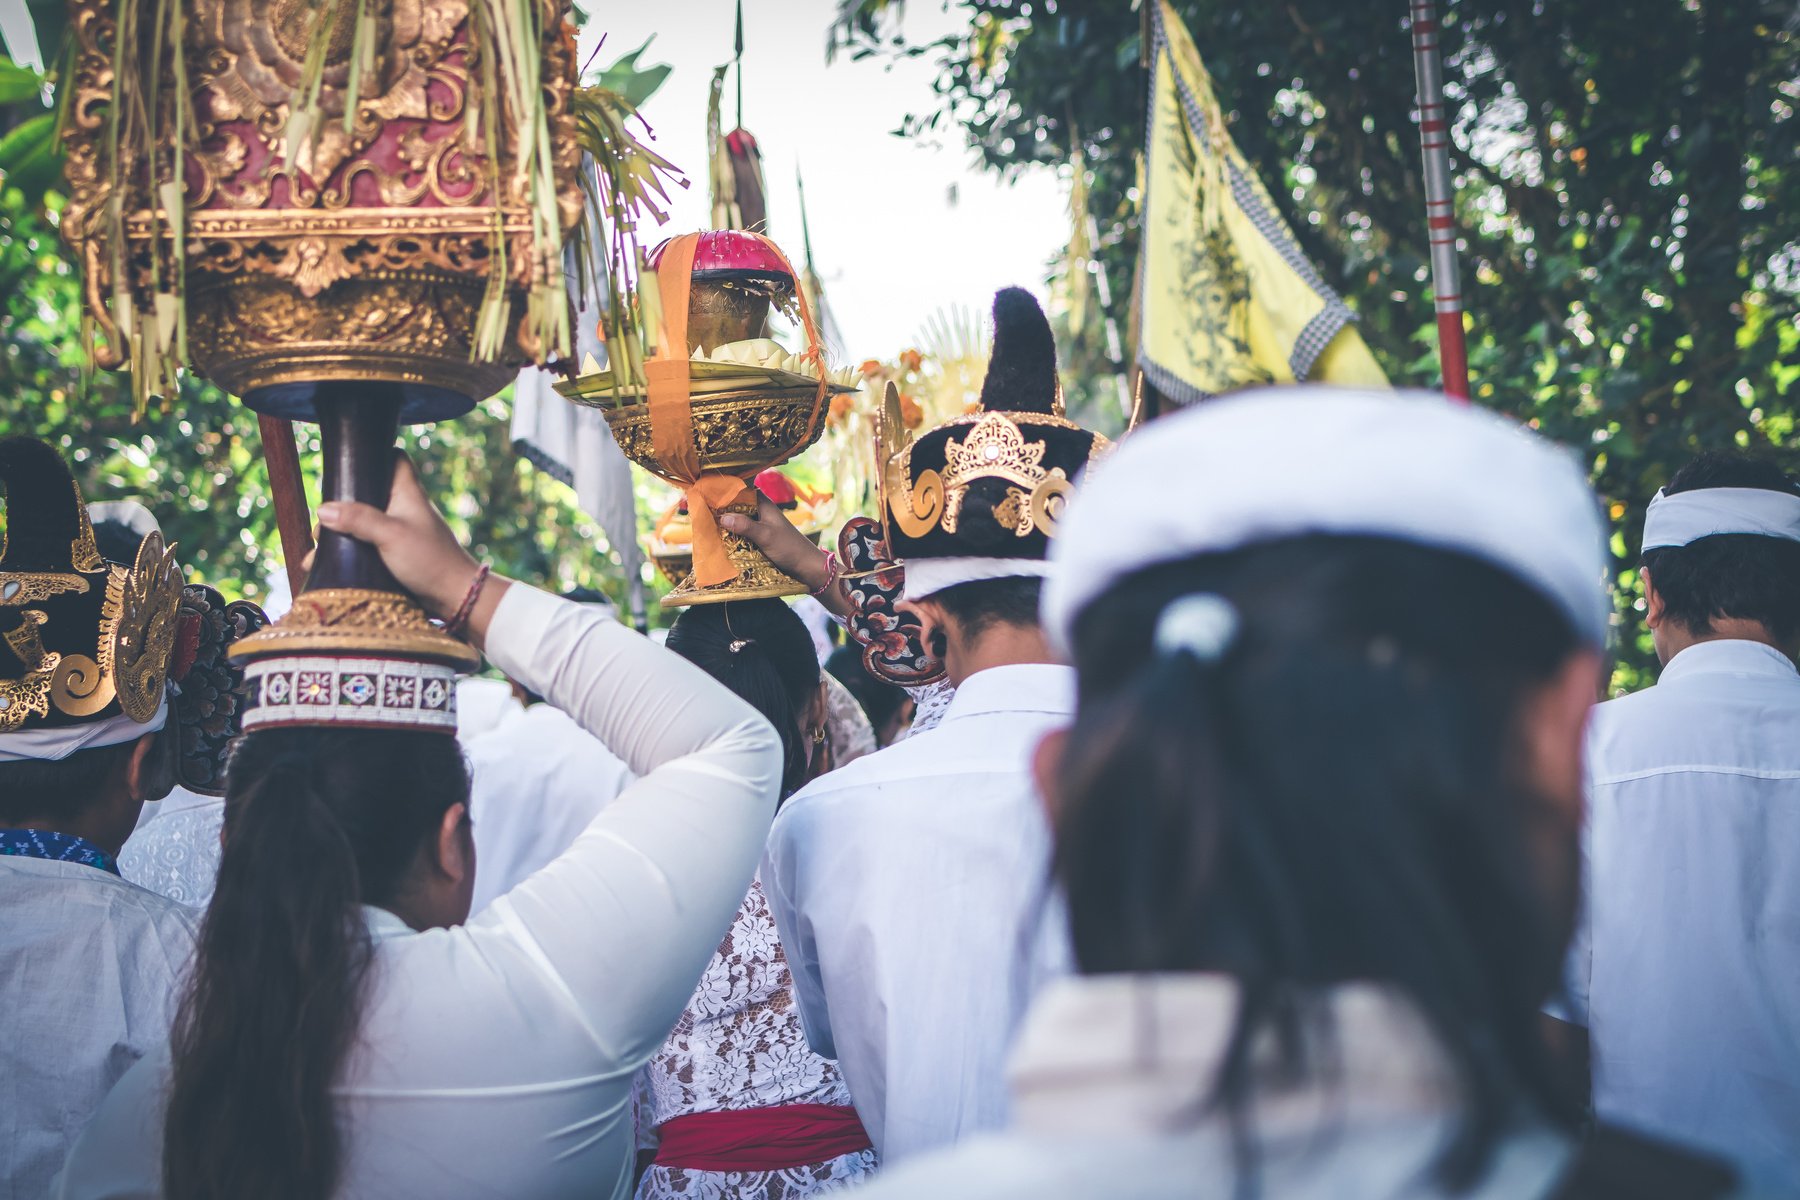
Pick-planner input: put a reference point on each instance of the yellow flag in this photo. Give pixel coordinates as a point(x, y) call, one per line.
point(1227, 298)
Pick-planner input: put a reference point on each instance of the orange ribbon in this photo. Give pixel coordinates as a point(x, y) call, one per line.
point(669, 385)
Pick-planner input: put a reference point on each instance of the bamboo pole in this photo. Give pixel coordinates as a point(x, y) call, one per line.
point(292, 520)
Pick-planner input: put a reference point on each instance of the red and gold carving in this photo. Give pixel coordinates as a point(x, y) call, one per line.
point(367, 243)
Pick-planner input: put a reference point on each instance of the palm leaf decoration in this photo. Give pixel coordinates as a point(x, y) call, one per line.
point(629, 182)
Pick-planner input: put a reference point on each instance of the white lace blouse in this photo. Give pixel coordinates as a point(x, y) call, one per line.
point(739, 1045)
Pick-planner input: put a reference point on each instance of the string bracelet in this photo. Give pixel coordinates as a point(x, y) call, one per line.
point(831, 574)
point(460, 621)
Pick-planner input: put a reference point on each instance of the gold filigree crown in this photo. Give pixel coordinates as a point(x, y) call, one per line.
point(131, 647)
point(996, 449)
point(997, 446)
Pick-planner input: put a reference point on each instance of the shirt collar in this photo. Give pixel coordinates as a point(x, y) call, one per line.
point(1018, 687)
point(1728, 656)
point(383, 924)
point(56, 847)
point(1126, 1055)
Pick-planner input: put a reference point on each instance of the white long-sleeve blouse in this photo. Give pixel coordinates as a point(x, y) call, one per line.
point(496, 1058)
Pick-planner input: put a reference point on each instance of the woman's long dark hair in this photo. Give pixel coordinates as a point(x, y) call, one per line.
point(317, 823)
point(1337, 798)
point(760, 649)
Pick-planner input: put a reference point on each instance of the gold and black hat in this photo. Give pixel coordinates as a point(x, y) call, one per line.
point(980, 496)
point(85, 644)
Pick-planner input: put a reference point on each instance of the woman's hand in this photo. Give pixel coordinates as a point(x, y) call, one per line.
point(792, 551)
point(418, 547)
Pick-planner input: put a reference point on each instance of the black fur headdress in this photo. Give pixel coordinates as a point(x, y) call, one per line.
point(992, 484)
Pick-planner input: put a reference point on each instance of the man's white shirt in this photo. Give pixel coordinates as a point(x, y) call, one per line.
point(1688, 970)
point(537, 780)
point(90, 970)
point(912, 892)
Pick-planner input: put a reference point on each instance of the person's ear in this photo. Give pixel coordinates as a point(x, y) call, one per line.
point(819, 711)
point(934, 624)
point(456, 844)
point(1654, 605)
point(1046, 769)
point(139, 772)
point(903, 717)
point(1555, 731)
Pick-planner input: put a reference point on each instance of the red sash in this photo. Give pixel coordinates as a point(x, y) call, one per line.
point(760, 1139)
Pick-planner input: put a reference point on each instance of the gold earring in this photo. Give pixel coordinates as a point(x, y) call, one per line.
point(819, 735)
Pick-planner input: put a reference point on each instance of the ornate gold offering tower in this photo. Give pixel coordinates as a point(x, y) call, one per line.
point(343, 211)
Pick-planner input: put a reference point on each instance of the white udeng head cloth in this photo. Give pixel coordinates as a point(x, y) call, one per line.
point(1706, 512)
point(926, 577)
point(57, 742)
point(1284, 462)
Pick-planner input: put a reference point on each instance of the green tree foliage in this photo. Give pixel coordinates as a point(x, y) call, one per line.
point(1627, 174)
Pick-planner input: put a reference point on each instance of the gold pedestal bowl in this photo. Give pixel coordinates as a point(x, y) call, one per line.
point(740, 432)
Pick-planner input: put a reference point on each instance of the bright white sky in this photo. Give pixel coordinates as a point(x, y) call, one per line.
point(899, 229)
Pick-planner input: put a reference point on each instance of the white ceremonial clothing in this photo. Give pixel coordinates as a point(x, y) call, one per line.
point(911, 889)
point(537, 780)
point(1688, 970)
point(90, 966)
point(495, 1058)
point(1111, 1083)
point(482, 704)
point(176, 854)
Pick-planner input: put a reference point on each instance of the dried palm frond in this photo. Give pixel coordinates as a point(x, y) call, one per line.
point(954, 340)
point(1078, 261)
point(510, 33)
point(721, 179)
point(629, 181)
point(152, 323)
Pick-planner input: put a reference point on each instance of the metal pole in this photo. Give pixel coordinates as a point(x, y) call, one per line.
point(737, 58)
point(1440, 197)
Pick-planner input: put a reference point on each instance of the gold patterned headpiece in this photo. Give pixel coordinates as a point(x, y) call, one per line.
point(1008, 449)
point(988, 487)
point(82, 641)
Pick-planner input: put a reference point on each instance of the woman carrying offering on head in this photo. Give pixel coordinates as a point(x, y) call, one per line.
point(743, 1110)
point(344, 1031)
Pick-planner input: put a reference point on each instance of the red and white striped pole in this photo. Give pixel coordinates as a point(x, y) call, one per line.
point(1440, 197)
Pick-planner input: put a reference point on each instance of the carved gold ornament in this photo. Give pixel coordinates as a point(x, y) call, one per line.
point(995, 448)
point(356, 621)
point(914, 508)
point(144, 637)
point(1047, 502)
point(80, 686)
point(84, 552)
point(26, 696)
point(33, 587)
point(919, 507)
point(26, 642)
point(736, 432)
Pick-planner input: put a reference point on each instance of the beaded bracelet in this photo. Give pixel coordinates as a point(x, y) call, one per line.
point(831, 573)
point(456, 624)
